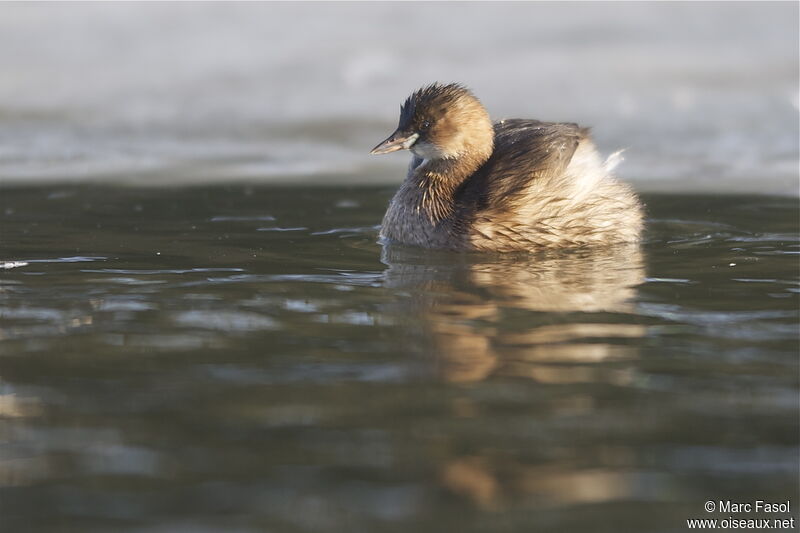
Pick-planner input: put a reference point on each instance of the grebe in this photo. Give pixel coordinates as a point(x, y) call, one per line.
point(513, 185)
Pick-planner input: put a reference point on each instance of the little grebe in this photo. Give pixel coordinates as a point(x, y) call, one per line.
point(515, 185)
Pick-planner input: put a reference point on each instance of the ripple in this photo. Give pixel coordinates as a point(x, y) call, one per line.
point(124, 305)
point(7, 265)
point(72, 259)
point(347, 231)
point(674, 312)
point(148, 272)
point(37, 313)
point(253, 218)
point(370, 279)
point(127, 281)
point(765, 237)
point(224, 320)
point(299, 228)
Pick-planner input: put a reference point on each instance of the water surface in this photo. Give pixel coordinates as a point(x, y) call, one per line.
point(248, 358)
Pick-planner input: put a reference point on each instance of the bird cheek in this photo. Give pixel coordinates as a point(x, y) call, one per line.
point(426, 150)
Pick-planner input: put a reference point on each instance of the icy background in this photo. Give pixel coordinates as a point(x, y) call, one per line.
point(703, 96)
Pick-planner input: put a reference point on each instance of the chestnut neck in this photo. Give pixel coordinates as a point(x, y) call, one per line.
point(436, 181)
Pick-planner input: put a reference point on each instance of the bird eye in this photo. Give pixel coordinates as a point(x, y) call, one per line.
point(426, 125)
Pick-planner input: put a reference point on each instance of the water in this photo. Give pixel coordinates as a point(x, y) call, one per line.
point(240, 355)
point(248, 358)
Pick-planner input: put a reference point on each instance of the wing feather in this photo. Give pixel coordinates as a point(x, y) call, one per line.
point(525, 150)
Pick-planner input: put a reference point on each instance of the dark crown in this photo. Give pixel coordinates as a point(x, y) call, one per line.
point(426, 97)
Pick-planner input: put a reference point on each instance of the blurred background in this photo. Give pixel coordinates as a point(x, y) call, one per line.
point(703, 95)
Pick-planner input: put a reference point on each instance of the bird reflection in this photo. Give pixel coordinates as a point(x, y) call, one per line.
point(490, 485)
point(485, 315)
point(550, 318)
